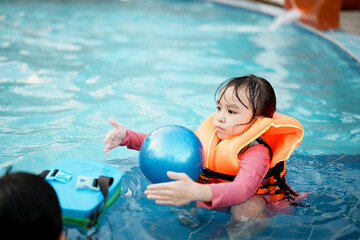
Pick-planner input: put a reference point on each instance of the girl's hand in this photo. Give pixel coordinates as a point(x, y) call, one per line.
point(114, 137)
point(179, 192)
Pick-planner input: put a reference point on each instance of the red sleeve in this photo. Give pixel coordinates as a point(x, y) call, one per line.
point(254, 164)
point(133, 140)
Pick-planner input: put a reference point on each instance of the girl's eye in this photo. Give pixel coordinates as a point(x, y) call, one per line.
point(231, 112)
point(218, 108)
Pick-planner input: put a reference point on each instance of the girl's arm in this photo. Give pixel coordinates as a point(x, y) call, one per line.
point(133, 140)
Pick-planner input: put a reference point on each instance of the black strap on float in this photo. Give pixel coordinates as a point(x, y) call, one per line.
point(44, 173)
point(102, 182)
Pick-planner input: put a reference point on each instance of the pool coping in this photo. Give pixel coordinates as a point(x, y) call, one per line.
point(347, 42)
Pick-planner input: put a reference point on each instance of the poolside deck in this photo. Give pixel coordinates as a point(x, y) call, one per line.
point(347, 37)
point(350, 21)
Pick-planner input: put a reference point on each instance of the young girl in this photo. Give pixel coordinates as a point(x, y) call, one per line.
point(245, 143)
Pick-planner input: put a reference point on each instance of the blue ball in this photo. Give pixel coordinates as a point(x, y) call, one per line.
point(171, 148)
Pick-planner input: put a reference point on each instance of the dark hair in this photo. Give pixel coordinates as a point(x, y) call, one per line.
point(29, 207)
point(260, 93)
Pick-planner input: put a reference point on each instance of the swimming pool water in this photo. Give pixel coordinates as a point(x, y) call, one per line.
point(68, 66)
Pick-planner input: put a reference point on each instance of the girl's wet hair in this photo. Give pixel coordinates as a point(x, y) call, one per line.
point(260, 93)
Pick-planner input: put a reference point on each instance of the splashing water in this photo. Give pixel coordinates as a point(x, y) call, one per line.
point(288, 17)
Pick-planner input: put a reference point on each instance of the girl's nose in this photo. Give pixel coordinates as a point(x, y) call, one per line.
point(220, 116)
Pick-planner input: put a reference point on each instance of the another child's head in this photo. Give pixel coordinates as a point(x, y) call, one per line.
point(29, 208)
point(240, 101)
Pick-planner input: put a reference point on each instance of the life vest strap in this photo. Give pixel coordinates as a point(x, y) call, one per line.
point(261, 141)
point(280, 182)
point(277, 169)
point(283, 189)
point(207, 173)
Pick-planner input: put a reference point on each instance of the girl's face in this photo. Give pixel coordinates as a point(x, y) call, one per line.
point(232, 118)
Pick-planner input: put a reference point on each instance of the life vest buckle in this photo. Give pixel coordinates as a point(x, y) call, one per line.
point(206, 172)
point(90, 183)
point(58, 175)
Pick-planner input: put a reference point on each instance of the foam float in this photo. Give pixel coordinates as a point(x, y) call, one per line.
point(84, 188)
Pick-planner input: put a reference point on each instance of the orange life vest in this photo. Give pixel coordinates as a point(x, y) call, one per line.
point(282, 133)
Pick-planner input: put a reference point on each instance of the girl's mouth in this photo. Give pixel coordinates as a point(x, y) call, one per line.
point(219, 129)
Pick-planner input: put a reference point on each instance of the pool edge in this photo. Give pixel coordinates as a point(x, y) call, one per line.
point(275, 11)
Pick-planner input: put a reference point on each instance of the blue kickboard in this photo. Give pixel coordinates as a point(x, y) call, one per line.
point(81, 203)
